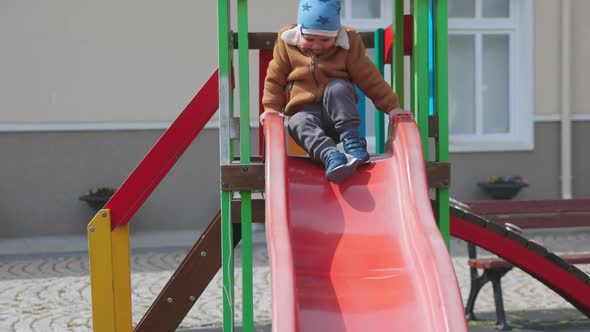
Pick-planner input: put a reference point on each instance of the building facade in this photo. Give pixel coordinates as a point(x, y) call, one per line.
point(87, 88)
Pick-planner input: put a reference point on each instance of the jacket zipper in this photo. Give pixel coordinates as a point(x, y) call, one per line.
point(313, 66)
point(289, 89)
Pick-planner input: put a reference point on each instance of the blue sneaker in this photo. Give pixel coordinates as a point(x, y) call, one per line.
point(357, 148)
point(338, 167)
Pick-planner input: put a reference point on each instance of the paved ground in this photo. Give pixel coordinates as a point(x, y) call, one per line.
point(44, 284)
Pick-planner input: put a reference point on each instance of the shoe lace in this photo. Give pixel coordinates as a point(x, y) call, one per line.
point(334, 158)
point(353, 144)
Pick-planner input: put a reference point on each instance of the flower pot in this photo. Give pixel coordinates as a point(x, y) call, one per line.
point(502, 190)
point(95, 202)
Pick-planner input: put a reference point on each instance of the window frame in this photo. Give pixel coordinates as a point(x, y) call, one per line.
point(519, 29)
point(385, 19)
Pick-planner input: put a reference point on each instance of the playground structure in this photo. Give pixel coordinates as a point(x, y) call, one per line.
point(400, 248)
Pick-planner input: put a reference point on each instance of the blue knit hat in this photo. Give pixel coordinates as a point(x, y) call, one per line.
point(319, 17)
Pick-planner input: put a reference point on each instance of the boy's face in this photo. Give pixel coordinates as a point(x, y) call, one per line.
point(316, 43)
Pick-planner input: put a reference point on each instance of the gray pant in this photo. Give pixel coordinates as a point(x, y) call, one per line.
point(319, 128)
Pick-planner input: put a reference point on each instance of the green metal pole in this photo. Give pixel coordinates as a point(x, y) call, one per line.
point(398, 52)
point(420, 70)
point(379, 116)
point(228, 262)
point(397, 63)
point(246, 196)
point(225, 157)
point(441, 100)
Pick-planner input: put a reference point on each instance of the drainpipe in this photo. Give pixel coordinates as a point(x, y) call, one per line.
point(566, 120)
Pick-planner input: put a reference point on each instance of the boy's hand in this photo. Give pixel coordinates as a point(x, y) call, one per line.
point(268, 111)
point(395, 112)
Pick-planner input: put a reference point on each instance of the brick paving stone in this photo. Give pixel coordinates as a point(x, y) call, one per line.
point(52, 292)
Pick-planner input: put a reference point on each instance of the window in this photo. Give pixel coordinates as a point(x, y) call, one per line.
point(490, 67)
point(367, 15)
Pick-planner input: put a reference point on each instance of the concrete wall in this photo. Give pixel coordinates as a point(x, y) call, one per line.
point(547, 56)
point(581, 159)
point(467, 169)
point(68, 61)
point(44, 174)
point(546, 52)
point(540, 168)
point(580, 55)
point(118, 64)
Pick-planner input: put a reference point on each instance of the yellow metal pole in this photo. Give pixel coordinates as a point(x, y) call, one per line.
point(121, 277)
point(110, 277)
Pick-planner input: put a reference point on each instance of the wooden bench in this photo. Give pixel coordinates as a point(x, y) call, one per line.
point(518, 216)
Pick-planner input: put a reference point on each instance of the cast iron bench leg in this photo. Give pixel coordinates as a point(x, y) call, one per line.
point(495, 277)
point(477, 282)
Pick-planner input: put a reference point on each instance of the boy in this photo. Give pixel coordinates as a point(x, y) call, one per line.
point(311, 79)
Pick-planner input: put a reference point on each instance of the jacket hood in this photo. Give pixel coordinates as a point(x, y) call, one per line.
point(291, 37)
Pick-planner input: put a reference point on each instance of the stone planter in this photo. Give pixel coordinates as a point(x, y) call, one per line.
point(502, 190)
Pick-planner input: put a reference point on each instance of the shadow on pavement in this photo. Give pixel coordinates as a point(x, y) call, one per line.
point(561, 320)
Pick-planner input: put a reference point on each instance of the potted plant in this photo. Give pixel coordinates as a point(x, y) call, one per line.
point(503, 187)
point(97, 198)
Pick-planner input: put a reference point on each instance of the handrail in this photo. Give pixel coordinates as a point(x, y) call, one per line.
point(284, 301)
point(425, 236)
point(164, 154)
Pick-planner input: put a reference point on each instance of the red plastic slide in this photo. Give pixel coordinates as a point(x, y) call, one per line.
point(365, 255)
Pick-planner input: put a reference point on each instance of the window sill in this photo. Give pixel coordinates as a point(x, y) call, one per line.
point(490, 145)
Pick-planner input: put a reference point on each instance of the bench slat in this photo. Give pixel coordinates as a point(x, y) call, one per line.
point(496, 262)
point(532, 221)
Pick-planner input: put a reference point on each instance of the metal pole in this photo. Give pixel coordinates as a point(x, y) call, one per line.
point(379, 116)
point(420, 70)
point(245, 150)
point(441, 100)
point(398, 52)
point(225, 157)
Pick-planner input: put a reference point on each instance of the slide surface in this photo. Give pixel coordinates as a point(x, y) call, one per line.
point(364, 255)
